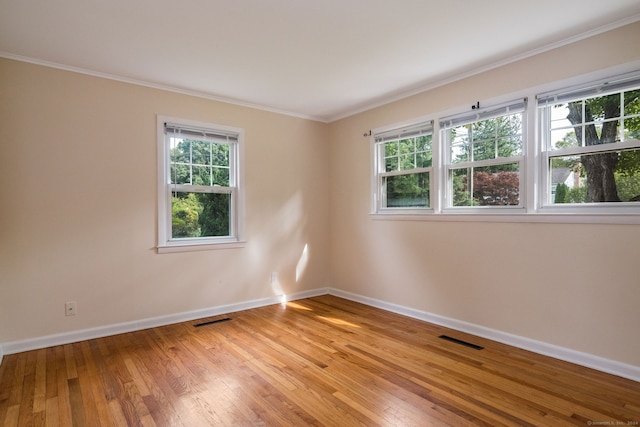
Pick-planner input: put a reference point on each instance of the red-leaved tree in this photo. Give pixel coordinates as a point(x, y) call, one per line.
point(495, 189)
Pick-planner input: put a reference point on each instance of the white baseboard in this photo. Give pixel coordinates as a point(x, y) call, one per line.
point(584, 359)
point(137, 325)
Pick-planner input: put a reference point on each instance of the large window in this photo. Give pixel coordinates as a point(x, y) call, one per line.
point(484, 157)
point(575, 151)
point(199, 192)
point(403, 168)
point(591, 146)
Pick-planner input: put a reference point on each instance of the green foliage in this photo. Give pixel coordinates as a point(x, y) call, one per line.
point(410, 190)
point(562, 193)
point(628, 186)
point(578, 195)
point(629, 163)
point(185, 216)
point(214, 220)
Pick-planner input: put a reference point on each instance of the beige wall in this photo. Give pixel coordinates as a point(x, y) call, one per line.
point(575, 286)
point(78, 217)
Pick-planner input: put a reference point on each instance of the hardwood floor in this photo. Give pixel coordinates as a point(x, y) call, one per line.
point(319, 361)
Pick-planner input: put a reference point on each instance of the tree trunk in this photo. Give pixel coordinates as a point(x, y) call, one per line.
point(600, 168)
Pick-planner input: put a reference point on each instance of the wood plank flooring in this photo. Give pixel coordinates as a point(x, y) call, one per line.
point(321, 361)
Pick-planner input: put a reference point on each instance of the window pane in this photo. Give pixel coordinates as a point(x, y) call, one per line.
point(559, 114)
point(632, 128)
point(486, 186)
point(407, 191)
point(632, 103)
point(180, 174)
point(391, 149)
point(201, 152)
point(509, 125)
point(424, 153)
point(200, 214)
point(596, 178)
point(406, 146)
point(602, 107)
point(423, 160)
point(484, 149)
point(221, 177)
point(460, 148)
point(201, 175)
point(180, 150)
point(423, 143)
point(391, 164)
point(510, 146)
point(220, 154)
point(563, 138)
point(407, 162)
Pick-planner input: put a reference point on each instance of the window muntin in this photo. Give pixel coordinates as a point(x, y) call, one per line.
point(199, 198)
point(404, 160)
point(485, 157)
point(590, 145)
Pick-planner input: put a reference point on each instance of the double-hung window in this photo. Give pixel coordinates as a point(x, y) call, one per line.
point(591, 146)
point(199, 184)
point(403, 161)
point(484, 158)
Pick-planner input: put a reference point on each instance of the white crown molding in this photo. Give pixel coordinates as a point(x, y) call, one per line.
point(158, 86)
point(584, 359)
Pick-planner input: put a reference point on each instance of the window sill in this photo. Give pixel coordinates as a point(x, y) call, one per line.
point(558, 218)
point(191, 247)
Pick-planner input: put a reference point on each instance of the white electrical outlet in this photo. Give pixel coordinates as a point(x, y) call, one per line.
point(70, 308)
point(274, 277)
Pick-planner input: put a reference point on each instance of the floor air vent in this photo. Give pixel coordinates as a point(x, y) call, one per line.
point(464, 343)
point(211, 322)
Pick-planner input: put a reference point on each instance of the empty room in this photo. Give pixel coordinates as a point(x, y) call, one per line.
point(354, 213)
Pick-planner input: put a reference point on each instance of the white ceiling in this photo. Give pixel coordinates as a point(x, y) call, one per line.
point(321, 59)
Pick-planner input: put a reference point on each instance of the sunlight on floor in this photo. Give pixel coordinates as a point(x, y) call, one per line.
point(339, 322)
point(298, 306)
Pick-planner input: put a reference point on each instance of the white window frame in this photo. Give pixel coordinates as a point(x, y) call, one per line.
point(603, 87)
point(448, 166)
point(379, 138)
point(534, 174)
point(165, 242)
